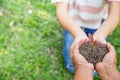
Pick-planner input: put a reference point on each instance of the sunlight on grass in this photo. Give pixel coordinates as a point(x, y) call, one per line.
point(18, 29)
point(3, 51)
point(43, 15)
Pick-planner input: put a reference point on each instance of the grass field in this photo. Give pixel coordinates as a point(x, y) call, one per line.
point(31, 42)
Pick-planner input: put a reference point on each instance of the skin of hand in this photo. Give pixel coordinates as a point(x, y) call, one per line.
point(78, 39)
point(84, 70)
point(99, 38)
point(107, 68)
point(110, 23)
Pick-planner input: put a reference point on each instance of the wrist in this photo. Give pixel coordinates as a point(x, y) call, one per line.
point(112, 72)
point(100, 34)
point(80, 33)
point(99, 37)
point(83, 73)
point(87, 67)
point(85, 70)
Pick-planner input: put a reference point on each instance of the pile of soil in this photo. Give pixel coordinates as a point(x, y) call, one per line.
point(93, 51)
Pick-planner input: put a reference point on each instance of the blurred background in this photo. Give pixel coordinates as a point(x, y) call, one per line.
point(31, 42)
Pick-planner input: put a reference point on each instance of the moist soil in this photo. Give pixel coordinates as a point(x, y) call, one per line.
point(93, 52)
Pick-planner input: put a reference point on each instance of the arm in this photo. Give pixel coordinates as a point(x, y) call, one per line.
point(83, 73)
point(113, 73)
point(66, 21)
point(110, 23)
point(108, 72)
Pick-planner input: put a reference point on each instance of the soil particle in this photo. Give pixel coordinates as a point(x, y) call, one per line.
point(93, 52)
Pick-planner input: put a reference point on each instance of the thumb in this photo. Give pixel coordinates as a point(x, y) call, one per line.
point(74, 49)
point(110, 48)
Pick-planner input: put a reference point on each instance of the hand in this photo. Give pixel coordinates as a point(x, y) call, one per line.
point(110, 58)
point(78, 60)
point(99, 38)
point(78, 39)
point(82, 67)
point(107, 68)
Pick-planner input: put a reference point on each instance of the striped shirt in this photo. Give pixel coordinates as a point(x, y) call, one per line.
point(87, 13)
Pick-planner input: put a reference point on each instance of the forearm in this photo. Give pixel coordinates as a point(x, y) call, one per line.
point(111, 22)
point(83, 73)
point(113, 73)
point(66, 21)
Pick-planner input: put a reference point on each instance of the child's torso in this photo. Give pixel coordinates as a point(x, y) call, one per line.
point(87, 13)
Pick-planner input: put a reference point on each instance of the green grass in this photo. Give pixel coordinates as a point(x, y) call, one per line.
point(25, 38)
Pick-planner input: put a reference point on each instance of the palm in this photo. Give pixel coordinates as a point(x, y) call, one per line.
point(110, 57)
point(78, 59)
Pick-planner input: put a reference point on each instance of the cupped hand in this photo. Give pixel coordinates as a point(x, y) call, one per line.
point(78, 39)
point(110, 58)
point(77, 59)
point(108, 63)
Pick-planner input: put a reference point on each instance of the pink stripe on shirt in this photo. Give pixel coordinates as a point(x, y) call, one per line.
point(86, 8)
point(89, 9)
point(94, 21)
point(86, 12)
point(113, 0)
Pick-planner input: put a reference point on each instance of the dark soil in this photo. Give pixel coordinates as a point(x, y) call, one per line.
point(93, 52)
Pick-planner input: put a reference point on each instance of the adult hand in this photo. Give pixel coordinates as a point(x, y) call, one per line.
point(77, 39)
point(77, 59)
point(107, 68)
point(84, 70)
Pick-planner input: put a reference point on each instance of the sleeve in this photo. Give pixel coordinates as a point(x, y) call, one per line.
point(55, 1)
point(114, 0)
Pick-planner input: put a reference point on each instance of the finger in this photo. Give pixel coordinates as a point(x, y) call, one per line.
point(75, 52)
point(110, 48)
point(112, 51)
point(76, 49)
point(86, 40)
point(81, 42)
point(72, 48)
point(91, 66)
point(91, 37)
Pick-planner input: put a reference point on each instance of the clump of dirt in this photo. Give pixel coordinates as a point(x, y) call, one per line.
point(93, 51)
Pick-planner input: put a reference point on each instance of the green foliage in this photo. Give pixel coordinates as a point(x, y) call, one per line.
point(28, 29)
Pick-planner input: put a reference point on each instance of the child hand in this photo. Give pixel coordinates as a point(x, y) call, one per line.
point(99, 38)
